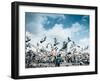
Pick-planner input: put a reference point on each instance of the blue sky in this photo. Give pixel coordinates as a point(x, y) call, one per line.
point(67, 21)
point(58, 25)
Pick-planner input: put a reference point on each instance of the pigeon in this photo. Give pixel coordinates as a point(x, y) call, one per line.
point(44, 39)
point(64, 45)
point(69, 39)
point(55, 42)
point(28, 39)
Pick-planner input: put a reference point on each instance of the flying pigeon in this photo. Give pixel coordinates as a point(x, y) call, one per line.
point(64, 45)
point(28, 39)
point(55, 42)
point(44, 39)
point(69, 39)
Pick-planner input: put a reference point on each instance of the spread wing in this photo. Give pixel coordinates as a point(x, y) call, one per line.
point(44, 39)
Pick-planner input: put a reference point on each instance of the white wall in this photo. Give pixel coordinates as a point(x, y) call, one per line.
point(5, 40)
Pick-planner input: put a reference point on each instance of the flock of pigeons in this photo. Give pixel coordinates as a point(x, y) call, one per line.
point(40, 56)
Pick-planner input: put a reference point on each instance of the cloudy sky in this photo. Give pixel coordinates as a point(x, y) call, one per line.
point(60, 26)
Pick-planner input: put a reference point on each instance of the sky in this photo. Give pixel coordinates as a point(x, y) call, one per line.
point(61, 26)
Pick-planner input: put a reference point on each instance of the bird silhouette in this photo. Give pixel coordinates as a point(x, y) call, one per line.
point(69, 39)
point(55, 42)
point(44, 39)
point(28, 39)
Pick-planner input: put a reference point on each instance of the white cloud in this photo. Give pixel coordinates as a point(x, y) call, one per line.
point(84, 18)
point(57, 31)
point(36, 25)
